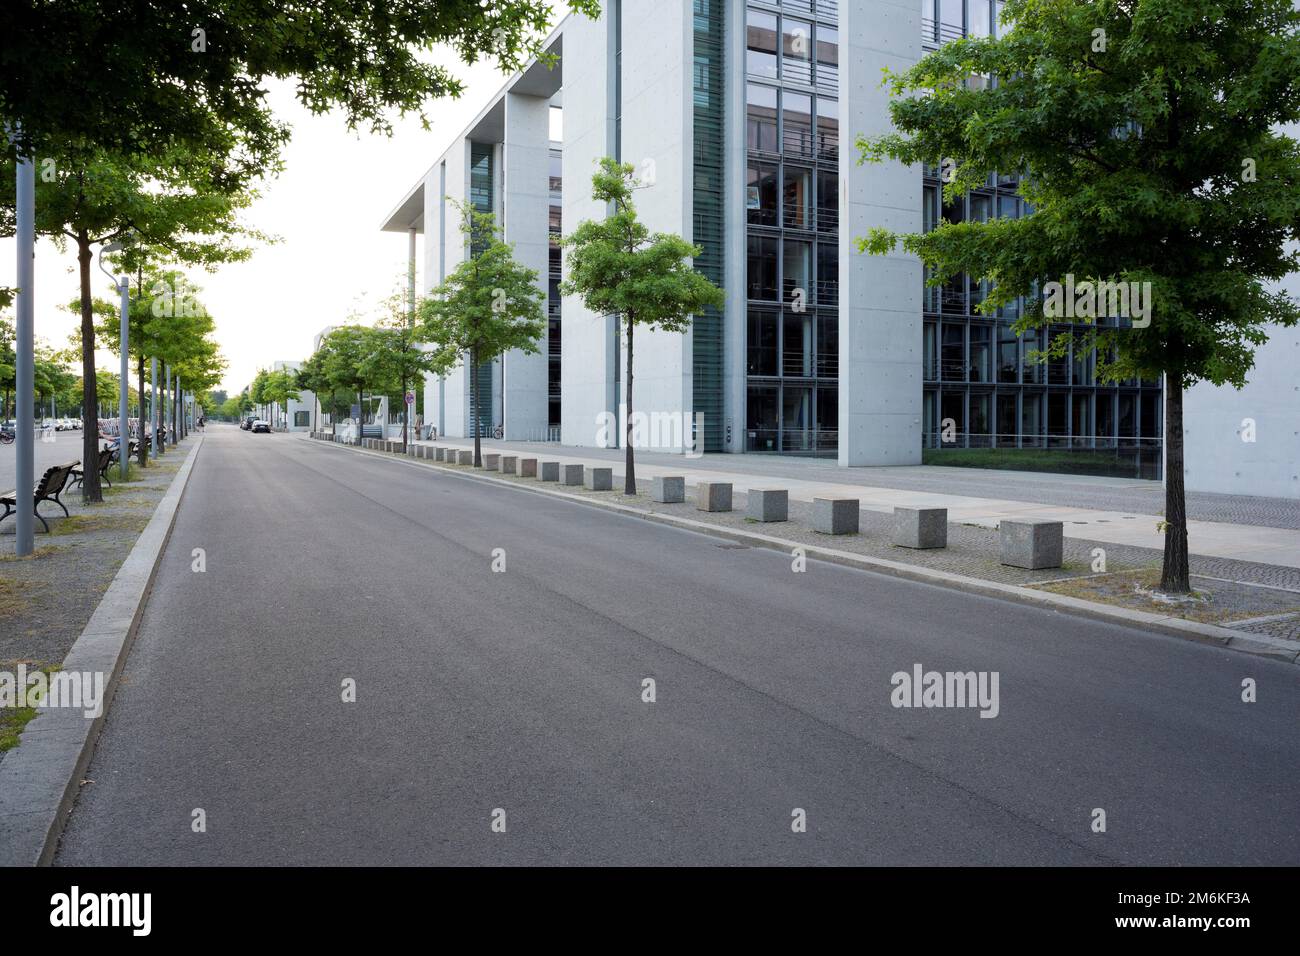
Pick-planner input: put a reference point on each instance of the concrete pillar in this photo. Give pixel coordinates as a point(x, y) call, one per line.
point(880, 296)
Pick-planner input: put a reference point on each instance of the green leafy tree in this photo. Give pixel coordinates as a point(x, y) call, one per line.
point(343, 354)
point(1148, 131)
point(618, 267)
point(398, 357)
point(281, 386)
point(8, 365)
point(189, 204)
point(489, 305)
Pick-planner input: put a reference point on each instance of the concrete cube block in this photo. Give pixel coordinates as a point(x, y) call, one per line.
point(669, 489)
point(465, 457)
point(600, 479)
point(835, 515)
point(508, 464)
point(527, 467)
point(768, 504)
point(492, 462)
point(713, 496)
point(571, 475)
point(550, 471)
point(1032, 545)
point(921, 528)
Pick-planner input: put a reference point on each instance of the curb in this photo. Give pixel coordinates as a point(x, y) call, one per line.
point(40, 779)
point(1259, 645)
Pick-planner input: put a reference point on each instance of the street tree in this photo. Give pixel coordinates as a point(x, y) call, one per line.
point(618, 267)
point(489, 305)
point(399, 357)
point(1148, 136)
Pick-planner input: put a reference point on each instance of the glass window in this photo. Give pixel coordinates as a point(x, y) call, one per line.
point(1081, 420)
point(950, 14)
point(828, 346)
point(760, 194)
point(828, 127)
point(930, 348)
point(1105, 429)
point(828, 418)
point(1008, 355)
point(979, 16)
point(979, 419)
point(797, 198)
point(797, 419)
point(760, 118)
point(796, 119)
point(1150, 417)
point(828, 200)
point(828, 273)
point(761, 417)
point(762, 343)
point(952, 418)
point(1031, 410)
point(980, 349)
point(1058, 369)
point(762, 268)
point(797, 271)
point(760, 44)
point(1058, 421)
point(797, 344)
point(828, 57)
point(796, 51)
point(954, 352)
point(1004, 429)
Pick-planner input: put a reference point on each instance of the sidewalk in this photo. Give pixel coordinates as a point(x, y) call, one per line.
point(1277, 546)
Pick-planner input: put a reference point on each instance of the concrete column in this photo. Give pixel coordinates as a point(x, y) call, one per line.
point(880, 296)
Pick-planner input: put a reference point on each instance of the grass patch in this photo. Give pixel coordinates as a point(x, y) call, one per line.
point(14, 719)
point(1140, 591)
point(1099, 463)
point(12, 598)
point(98, 522)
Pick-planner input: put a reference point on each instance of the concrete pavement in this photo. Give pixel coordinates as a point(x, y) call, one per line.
point(1242, 542)
point(523, 691)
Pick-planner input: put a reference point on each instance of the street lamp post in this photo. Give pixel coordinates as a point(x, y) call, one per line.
point(25, 481)
point(123, 394)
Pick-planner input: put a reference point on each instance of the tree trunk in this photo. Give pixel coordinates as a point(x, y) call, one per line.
point(473, 404)
point(1175, 576)
point(90, 489)
point(142, 454)
point(360, 416)
point(406, 415)
point(629, 480)
point(176, 395)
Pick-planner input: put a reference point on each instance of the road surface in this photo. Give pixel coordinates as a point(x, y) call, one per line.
point(522, 691)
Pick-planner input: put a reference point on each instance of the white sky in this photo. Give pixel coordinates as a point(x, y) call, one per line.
point(326, 207)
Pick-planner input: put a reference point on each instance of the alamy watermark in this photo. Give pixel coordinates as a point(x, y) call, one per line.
point(82, 690)
point(948, 689)
point(653, 430)
point(1095, 300)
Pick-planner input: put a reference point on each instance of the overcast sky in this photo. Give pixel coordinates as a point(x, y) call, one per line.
point(326, 207)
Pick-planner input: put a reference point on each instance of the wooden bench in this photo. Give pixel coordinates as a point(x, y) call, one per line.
point(48, 488)
point(107, 456)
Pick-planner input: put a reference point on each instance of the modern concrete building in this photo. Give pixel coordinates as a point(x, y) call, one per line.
point(733, 114)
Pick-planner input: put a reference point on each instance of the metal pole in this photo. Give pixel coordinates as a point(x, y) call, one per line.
point(153, 405)
point(123, 445)
point(26, 434)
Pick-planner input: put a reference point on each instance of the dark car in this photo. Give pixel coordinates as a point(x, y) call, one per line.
point(261, 426)
point(246, 423)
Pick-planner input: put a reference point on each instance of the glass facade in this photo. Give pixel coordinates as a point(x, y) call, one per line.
point(708, 90)
point(553, 340)
point(481, 189)
point(982, 388)
point(792, 223)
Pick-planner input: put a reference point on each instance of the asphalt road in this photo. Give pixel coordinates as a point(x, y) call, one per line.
point(522, 691)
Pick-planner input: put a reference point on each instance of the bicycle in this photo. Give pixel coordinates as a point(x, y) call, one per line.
point(6, 437)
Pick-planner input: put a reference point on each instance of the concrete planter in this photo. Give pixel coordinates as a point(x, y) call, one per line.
point(768, 504)
point(668, 489)
point(921, 528)
point(527, 467)
point(600, 479)
point(509, 464)
point(1033, 545)
point(713, 496)
point(465, 458)
point(550, 471)
point(492, 462)
point(571, 475)
point(835, 515)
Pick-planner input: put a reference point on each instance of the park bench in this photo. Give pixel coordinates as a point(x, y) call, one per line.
point(48, 488)
point(106, 458)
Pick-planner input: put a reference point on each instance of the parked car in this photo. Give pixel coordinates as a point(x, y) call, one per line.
point(261, 426)
point(245, 423)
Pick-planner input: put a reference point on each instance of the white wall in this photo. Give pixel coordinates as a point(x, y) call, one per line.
point(880, 296)
point(588, 357)
point(526, 215)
